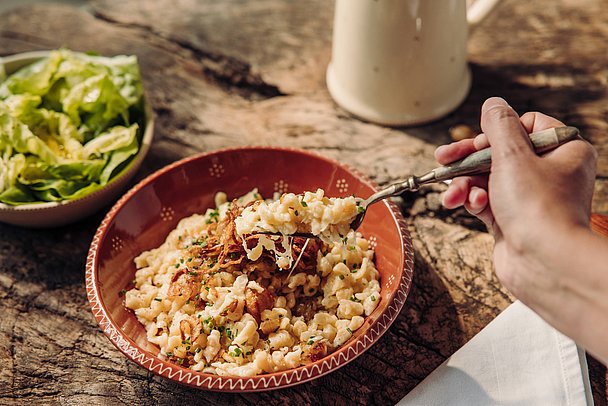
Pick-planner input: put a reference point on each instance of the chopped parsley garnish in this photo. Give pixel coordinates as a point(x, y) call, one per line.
point(197, 350)
point(360, 209)
point(296, 212)
point(177, 265)
point(201, 241)
point(209, 322)
point(373, 298)
point(122, 292)
point(236, 353)
point(344, 240)
point(169, 354)
point(310, 342)
point(351, 248)
point(304, 204)
point(341, 276)
point(188, 301)
point(354, 271)
point(229, 333)
point(213, 216)
point(158, 299)
point(354, 299)
point(349, 330)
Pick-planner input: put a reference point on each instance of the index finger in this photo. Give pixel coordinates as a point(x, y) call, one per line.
point(505, 132)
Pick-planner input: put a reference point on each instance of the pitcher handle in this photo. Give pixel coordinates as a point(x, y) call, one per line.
point(479, 10)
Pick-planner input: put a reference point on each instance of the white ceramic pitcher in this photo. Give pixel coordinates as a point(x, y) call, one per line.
point(401, 62)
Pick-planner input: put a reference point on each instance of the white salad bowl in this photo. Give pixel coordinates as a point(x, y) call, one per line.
point(53, 214)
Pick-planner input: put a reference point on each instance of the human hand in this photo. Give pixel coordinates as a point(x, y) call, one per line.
point(526, 200)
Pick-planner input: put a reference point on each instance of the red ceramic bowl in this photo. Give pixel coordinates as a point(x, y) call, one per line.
point(143, 217)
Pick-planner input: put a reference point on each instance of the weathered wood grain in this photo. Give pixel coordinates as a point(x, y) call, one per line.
point(252, 72)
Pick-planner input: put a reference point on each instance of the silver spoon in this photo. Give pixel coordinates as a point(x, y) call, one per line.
point(477, 163)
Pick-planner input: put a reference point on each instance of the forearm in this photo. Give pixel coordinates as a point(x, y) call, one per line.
point(568, 286)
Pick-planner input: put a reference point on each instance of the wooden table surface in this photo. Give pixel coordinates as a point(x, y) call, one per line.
point(241, 72)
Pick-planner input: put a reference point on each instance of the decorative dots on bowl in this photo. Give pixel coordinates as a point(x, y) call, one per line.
point(117, 244)
point(342, 185)
point(281, 186)
point(391, 279)
point(166, 214)
point(216, 170)
point(373, 242)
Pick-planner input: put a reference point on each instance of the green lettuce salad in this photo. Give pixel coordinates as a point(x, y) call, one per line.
point(68, 124)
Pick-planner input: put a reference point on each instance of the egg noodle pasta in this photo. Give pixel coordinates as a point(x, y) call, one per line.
point(216, 297)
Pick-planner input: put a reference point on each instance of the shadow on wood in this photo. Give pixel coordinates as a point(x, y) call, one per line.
point(557, 90)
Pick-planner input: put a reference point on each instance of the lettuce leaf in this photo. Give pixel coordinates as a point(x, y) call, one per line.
point(95, 102)
point(17, 135)
point(18, 194)
point(68, 124)
point(120, 156)
point(35, 79)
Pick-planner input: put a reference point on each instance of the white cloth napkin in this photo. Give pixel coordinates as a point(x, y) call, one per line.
point(517, 359)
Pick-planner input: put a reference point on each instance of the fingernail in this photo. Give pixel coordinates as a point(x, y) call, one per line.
point(499, 101)
point(481, 141)
point(473, 197)
point(443, 201)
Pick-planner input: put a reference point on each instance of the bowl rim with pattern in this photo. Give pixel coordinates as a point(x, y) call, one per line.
point(54, 214)
point(116, 242)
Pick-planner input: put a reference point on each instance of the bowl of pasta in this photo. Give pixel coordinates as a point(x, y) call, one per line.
point(200, 272)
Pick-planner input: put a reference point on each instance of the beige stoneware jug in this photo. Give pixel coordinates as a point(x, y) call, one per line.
point(402, 62)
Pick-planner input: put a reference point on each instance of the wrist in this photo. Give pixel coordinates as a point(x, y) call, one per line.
point(540, 265)
point(548, 243)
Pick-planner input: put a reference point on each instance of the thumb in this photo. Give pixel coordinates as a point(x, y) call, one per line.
point(506, 135)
